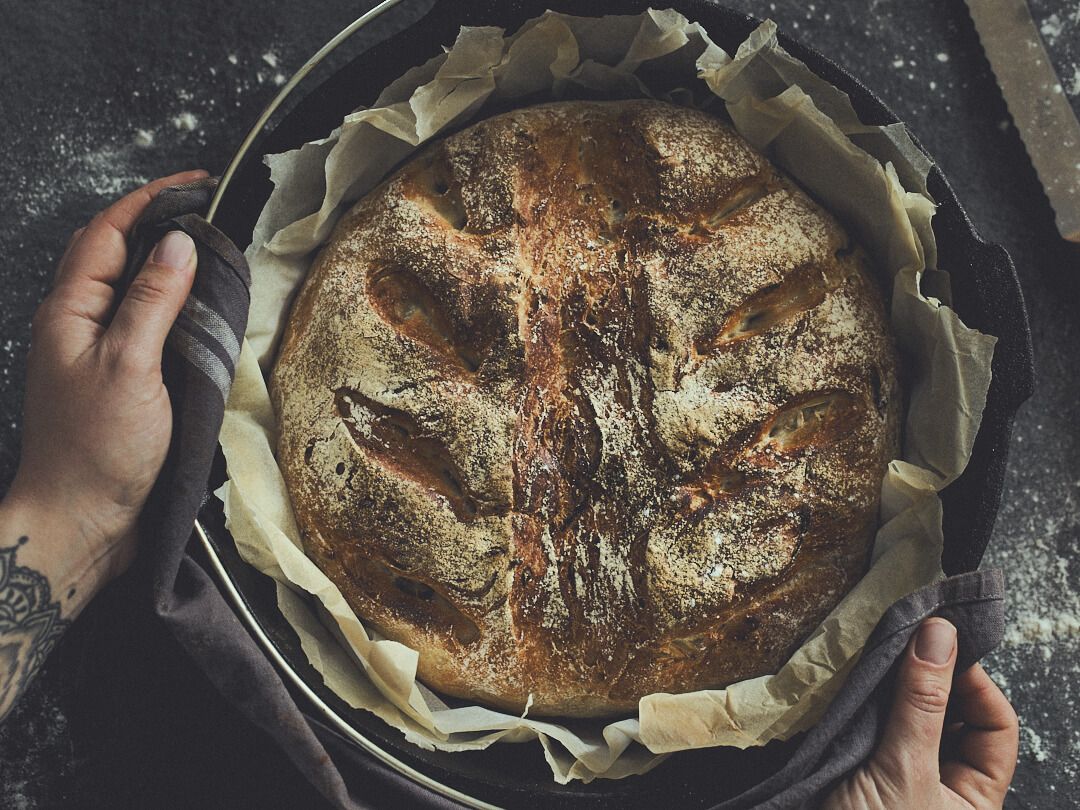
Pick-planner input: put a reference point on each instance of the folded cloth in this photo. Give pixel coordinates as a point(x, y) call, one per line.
point(198, 367)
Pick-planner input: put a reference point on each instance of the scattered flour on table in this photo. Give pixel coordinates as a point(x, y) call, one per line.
point(1059, 24)
point(1051, 28)
point(105, 172)
point(186, 121)
point(36, 726)
point(1034, 743)
point(1043, 602)
point(1072, 83)
point(1039, 524)
point(108, 160)
point(80, 165)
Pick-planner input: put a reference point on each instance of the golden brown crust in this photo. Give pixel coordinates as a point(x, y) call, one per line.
point(588, 402)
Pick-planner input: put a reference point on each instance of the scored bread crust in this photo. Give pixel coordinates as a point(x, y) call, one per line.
point(587, 402)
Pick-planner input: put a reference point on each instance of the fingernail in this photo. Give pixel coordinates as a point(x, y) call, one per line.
point(175, 250)
point(935, 641)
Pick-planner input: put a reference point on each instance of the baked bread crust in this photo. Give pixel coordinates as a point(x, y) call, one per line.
point(587, 402)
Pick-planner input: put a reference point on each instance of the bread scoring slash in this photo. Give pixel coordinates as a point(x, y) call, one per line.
point(585, 402)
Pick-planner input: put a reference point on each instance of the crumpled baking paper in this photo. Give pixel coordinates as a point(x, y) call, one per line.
point(872, 177)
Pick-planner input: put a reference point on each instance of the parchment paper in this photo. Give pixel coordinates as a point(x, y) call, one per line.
point(872, 177)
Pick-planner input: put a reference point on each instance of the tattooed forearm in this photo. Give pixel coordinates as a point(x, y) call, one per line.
point(30, 625)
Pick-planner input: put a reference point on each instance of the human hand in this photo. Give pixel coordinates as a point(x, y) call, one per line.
point(922, 761)
point(97, 418)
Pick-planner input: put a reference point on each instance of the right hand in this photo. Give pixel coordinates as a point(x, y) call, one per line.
point(920, 764)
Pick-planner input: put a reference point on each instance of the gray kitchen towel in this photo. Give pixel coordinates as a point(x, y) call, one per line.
point(198, 366)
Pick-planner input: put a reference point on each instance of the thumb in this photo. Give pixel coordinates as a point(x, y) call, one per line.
point(154, 298)
point(912, 741)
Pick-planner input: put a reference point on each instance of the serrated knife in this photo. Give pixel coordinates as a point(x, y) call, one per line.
point(1039, 107)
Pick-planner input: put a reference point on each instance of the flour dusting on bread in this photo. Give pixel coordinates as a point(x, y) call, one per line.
point(586, 402)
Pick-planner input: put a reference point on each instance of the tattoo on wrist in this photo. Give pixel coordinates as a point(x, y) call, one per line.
point(30, 626)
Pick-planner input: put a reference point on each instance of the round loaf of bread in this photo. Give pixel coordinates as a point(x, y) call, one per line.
point(586, 402)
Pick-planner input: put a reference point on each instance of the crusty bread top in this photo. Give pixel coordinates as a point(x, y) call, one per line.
point(587, 402)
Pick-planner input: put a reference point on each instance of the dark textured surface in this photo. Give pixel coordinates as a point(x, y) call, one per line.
point(119, 718)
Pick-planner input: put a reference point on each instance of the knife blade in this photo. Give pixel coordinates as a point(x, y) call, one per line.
point(1039, 107)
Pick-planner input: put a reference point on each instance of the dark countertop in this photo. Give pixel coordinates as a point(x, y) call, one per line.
point(95, 98)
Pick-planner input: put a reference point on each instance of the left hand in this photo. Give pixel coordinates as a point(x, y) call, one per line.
point(97, 416)
point(923, 763)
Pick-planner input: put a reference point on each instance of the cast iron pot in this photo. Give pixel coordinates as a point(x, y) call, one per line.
point(351, 71)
